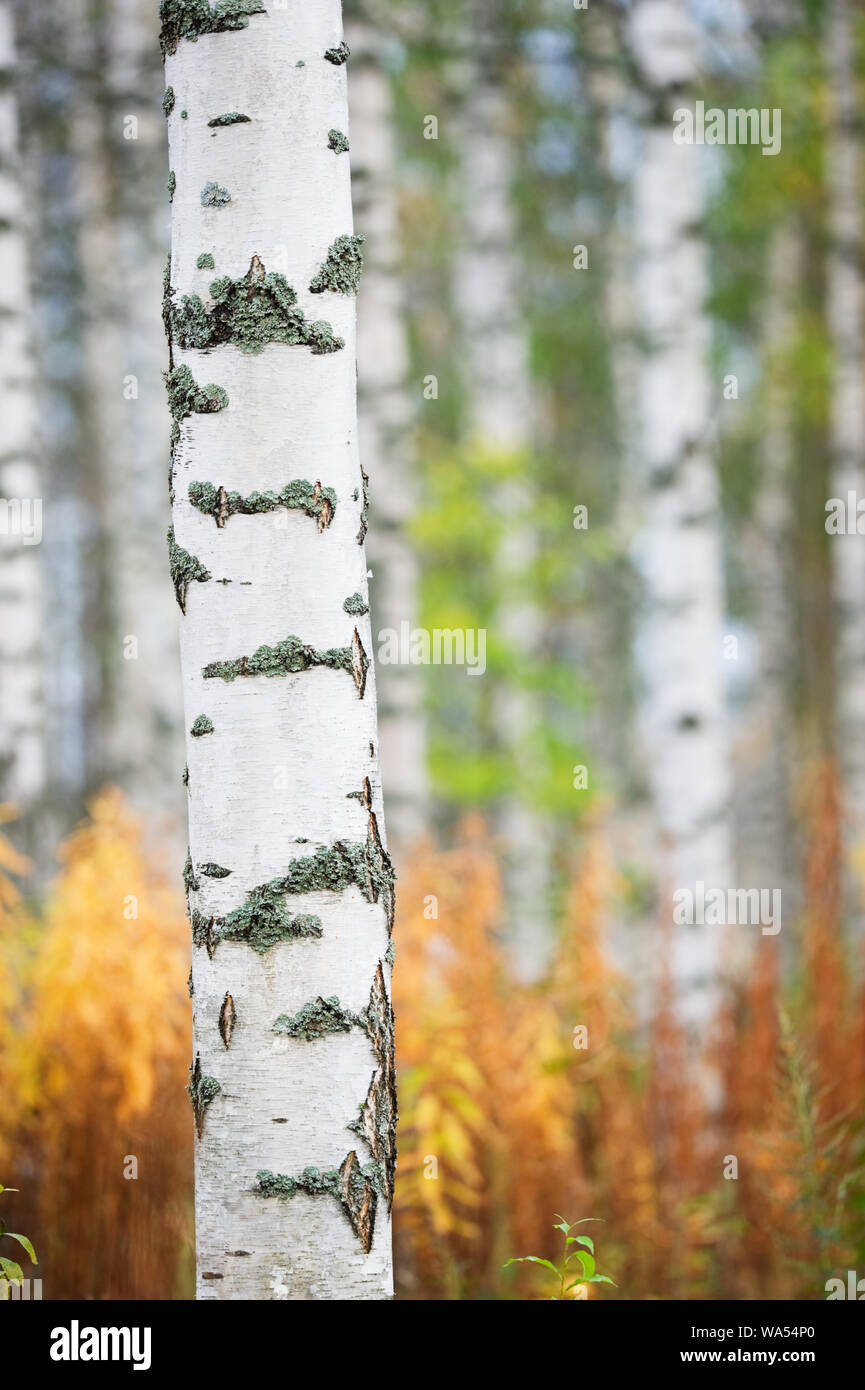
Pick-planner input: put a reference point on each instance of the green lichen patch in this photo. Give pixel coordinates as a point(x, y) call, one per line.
point(168, 101)
point(230, 118)
point(259, 308)
point(355, 605)
point(205, 261)
point(190, 882)
point(214, 196)
point(184, 115)
point(201, 725)
point(337, 142)
point(189, 19)
point(338, 55)
point(171, 186)
point(202, 1090)
point(298, 495)
point(264, 920)
point(186, 397)
point(342, 268)
point(390, 953)
point(185, 569)
point(352, 1186)
point(288, 658)
point(210, 870)
point(316, 1018)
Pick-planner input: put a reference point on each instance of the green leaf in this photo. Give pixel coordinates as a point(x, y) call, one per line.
point(22, 1240)
point(601, 1279)
point(587, 1241)
point(531, 1259)
point(587, 1261)
point(11, 1270)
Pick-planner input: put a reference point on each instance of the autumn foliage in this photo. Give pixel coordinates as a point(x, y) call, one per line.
point(504, 1120)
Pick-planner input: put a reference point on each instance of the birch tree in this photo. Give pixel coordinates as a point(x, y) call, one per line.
point(499, 416)
point(679, 545)
point(22, 733)
point(289, 881)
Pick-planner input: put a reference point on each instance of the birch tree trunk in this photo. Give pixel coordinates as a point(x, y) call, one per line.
point(679, 548)
point(290, 885)
point(499, 418)
point(845, 291)
point(386, 419)
point(22, 733)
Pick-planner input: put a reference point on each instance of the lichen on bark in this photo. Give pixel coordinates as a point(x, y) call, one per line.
point(189, 19)
point(355, 605)
point(315, 1019)
point(289, 657)
point(213, 195)
point(259, 308)
point(229, 118)
point(185, 569)
point(338, 55)
point(352, 1186)
point(337, 142)
point(202, 724)
point(298, 495)
point(342, 268)
point(202, 1090)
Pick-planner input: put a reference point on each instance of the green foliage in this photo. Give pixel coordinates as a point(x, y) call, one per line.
point(10, 1270)
point(583, 1253)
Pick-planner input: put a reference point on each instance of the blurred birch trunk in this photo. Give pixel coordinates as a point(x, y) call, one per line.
point(386, 420)
point(22, 711)
point(679, 550)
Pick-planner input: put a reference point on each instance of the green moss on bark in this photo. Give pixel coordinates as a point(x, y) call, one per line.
point(288, 658)
point(315, 1019)
point(259, 308)
point(205, 261)
point(202, 1090)
point(185, 569)
point(298, 495)
point(189, 19)
point(229, 118)
point(214, 196)
point(342, 268)
point(338, 55)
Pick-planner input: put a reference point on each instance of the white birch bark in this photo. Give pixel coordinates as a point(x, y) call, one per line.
point(290, 769)
point(499, 418)
point(22, 732)
point(845, 293)
point(679, 548)
point(386, 418)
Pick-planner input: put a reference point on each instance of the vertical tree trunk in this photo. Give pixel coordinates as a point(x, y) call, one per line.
point(679, 547)
point(845, 308)
point(290, 885)
point(386, 419)
point(499, 418)
point(136, 735)
point(22, 733)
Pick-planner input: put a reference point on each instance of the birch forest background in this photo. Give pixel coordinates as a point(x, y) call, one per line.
point(610, 371)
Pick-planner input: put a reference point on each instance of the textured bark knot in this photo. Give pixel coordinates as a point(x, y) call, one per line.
point(202, 1090)
point(185, 569)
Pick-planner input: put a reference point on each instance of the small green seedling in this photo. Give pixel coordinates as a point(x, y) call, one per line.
point(10, 1271)
point(583, 1252)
